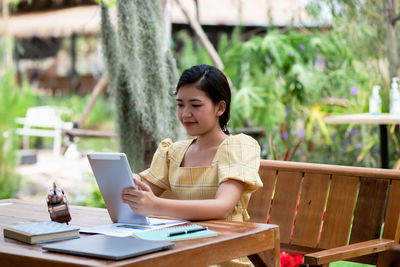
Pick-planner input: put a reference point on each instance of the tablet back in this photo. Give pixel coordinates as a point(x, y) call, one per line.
point(108, 247)
point(112, 174)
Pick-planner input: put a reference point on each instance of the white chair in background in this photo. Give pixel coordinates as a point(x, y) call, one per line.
point(43, 121)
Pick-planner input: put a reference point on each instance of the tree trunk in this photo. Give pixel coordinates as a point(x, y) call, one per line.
point(7, 35)
point(392, 37)
point(100, 86)
point(203, 37)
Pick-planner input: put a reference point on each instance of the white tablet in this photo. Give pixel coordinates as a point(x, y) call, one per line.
point(112, 174)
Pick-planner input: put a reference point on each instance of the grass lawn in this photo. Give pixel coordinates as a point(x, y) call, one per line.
point(348, 264)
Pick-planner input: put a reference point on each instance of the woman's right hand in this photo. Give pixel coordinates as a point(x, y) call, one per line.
point(141, 200)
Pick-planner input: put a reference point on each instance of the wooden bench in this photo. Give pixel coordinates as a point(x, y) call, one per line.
point(43, 121)
point(329, 212)
point(392, 258)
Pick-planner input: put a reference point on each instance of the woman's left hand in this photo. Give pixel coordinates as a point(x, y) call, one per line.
point(141, 200)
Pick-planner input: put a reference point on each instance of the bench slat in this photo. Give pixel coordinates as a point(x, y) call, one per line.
point(392, 222)
point(284, 204)
point(375, 173)
point(36, 132)
point(311, 208)
point(260, 201)
point(368, 216)
point(339, 211)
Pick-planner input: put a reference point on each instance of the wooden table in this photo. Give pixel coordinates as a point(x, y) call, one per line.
point(235, 239)
point(366, 118)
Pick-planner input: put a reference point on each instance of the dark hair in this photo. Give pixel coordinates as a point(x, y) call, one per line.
point(214, 83)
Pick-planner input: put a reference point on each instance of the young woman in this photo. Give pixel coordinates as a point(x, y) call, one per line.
point(211, 176)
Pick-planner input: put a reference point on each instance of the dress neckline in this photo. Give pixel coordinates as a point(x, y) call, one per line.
point(213, 159)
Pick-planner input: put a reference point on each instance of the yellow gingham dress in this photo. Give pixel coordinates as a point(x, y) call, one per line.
point(237, 157)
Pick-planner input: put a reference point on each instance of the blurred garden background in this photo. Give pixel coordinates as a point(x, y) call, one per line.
point(291, 63)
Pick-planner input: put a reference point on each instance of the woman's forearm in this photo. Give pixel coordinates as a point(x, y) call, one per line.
point(194, 209)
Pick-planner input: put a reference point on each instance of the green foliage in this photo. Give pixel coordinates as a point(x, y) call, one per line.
point(109, 3)
point(349, 264)
point(14, 100)
point(288, 81)
point(101, 116)
point(8, 156)
point(271, 74)
point(368, 57)
point(190, 55)
point(94, 200)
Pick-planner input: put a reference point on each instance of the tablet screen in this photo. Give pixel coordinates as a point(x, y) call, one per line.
point(112, 173)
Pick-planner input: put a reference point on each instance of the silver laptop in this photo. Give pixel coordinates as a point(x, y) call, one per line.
point(112, 174)
point(108, 247)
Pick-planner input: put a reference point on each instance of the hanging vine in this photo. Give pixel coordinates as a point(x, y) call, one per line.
point(142, 76)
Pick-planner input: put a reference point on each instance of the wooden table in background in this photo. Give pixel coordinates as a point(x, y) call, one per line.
point(366, 118)
point(235, 239)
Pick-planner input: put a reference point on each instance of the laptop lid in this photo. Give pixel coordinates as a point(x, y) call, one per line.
point(108, 247)
point(112, 173)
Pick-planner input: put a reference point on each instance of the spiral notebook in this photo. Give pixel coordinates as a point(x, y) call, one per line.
point(178, 233)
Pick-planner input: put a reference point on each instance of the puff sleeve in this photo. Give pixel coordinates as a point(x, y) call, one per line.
point(239, 159)
point(157, 174)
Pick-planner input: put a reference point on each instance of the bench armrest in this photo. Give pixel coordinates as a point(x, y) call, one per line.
point(348, 252)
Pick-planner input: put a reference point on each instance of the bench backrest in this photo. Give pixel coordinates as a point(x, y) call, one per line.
point(43, 116)
point(319, 206)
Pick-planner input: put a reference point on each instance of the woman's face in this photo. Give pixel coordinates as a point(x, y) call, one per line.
point(197, 112)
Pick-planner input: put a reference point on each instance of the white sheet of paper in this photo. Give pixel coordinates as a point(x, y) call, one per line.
point(124, 229)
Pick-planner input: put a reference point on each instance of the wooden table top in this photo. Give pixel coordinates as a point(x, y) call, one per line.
point(363, 118)
point(235, 239)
